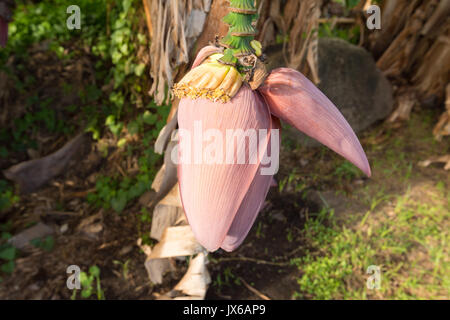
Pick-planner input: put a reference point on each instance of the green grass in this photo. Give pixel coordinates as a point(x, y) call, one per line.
point(7, 197)
point(401, 224)
point(338, 270)
point(91, 284)
point(8, 253)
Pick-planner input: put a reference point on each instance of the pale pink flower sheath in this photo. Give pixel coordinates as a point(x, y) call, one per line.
point(221, 200)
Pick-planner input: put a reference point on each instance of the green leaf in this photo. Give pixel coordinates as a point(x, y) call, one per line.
point(124, 49)
point(8, 253)
point(48, 243)
point(142, 38)
point(6, 235)
point(119, 203)
point(116, 129)
point(121, 143)
point(110, 120)
point(3, 152)
point(85, 280)
point(139, 70)
point(94, 271)
point(86, 293)
point(352, 3)
point(127, 5)
point(133, 127)
point(149, 118)
point(8, 267)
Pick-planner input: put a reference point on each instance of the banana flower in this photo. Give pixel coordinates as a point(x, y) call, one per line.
point(222, 198)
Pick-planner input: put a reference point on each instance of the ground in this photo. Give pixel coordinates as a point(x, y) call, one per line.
point(319, 231)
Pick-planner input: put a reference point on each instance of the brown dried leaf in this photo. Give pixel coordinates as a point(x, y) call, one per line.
point(92, 225)
point(156, 268)
point(405, 103)
point(174, 25)
point(165, 134)
point(176, 242)
point(439, 159)
point(165, 216)
point(173, 198)
point(156, 185)
point(302, 49)
point(194, 283)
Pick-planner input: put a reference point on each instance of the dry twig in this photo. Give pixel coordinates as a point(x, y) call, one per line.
point(255, 291)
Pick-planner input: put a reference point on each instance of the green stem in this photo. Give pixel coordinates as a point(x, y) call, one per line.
point(241, 32)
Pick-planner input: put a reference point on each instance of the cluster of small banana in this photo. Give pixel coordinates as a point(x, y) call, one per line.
point(212, 80)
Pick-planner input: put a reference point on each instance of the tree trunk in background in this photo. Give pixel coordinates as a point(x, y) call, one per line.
point(213, 27)
point(414, 44)
point(178, 29)
point(299, 21)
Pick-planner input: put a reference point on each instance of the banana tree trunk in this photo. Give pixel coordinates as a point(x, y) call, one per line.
point(414, 43)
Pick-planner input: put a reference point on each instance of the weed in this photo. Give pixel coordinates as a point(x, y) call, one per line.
point(339, 271)
point(7, 252)
point(116, 193)
point(125, 267)
point(90, 283)
point(7, 197)
point(259, 232)
point(346, 171)
point(46, 244)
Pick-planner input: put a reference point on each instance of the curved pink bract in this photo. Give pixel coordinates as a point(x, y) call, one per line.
point(205, 53)
point(251, 205)
point(213, 193)
point(295, 99)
